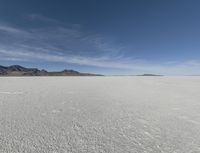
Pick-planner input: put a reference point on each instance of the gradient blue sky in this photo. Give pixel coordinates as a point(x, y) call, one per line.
point(102, 36)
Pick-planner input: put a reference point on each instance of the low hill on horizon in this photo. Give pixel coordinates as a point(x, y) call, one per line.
point(146, 74)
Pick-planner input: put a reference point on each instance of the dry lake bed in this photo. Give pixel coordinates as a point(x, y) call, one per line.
point(100, 114)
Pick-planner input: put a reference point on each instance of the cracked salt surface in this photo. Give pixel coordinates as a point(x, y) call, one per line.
point(100, 114)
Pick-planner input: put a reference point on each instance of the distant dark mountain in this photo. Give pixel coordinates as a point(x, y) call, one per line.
point(17, 70)
point(149, 75)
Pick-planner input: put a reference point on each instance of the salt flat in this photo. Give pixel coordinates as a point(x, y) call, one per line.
point(100, 114)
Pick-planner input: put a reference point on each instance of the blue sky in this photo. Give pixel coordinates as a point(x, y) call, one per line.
point(102, 36)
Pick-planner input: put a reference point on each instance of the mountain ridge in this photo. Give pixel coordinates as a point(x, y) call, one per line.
point(17, 70)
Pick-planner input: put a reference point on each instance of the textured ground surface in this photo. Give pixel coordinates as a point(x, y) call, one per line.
point(100, 114)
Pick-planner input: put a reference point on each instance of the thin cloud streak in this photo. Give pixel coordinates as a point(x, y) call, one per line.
point(68, 40)
point(63, 39)
point(12, 30)
point(39, 17)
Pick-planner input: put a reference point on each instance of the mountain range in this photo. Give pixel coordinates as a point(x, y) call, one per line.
point(17, 70)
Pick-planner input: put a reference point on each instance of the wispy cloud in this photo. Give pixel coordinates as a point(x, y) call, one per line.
point(39, 17)
point(69, 40)
point(12, 30)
